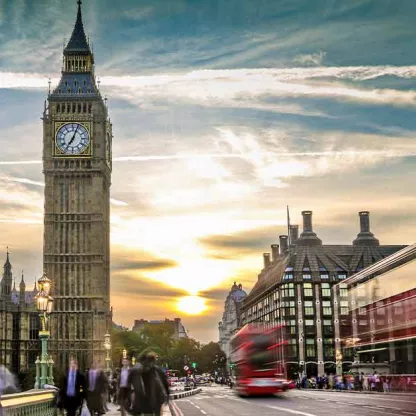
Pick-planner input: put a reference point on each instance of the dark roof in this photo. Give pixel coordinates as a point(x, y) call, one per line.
point(75, 84)
point(317, 258)
point(78, 42)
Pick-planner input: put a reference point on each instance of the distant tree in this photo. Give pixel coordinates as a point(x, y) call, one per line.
point(122, 339)
point(211, 357)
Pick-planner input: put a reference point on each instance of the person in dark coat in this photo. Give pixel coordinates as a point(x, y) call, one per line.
point(72, 389)
point(96, 387)
point(150, 386)
point(124, 388)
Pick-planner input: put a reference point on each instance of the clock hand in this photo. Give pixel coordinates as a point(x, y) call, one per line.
point(73, 137)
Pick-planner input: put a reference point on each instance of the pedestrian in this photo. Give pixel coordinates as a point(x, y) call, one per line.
point(150, 386)
point(72, 389)
point(365, 382)
point(96, 382)
point(124, 388)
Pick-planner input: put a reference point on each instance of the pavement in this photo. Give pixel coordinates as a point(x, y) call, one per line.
point(222, 401)
point(113, 410)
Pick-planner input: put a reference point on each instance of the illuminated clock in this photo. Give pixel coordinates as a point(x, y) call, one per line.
point(72, 138)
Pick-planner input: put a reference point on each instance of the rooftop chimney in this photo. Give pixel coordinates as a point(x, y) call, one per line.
point(284, 248)
point(308, 237)
point(294, 233)
point(266, 258)
point(365, 236)
point(275, 252)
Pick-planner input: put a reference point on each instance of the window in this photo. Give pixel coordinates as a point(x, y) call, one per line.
point(307, 290)
point(326, 290)
point(327, 322)
point(344, 307)
point(329, 347)
point(343, 291)
point(309, 322)
point(341, 273)
point(288, 290)
point(275, 296)
point(307, 273)
point(310, 347)
point(362, 311)
point(324, 276)
point(309, 309)
point(326, 308)
point(288, 308)
point(288, 273)
point(291, 324)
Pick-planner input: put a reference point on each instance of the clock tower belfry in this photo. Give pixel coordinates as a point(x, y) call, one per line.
point(77, 142)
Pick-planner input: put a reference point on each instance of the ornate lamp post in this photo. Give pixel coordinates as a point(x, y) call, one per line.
point(44, 304)
point(107, 346)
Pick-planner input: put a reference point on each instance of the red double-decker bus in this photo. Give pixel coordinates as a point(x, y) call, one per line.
point(258, 358)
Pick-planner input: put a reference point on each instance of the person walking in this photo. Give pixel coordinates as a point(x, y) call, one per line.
point(124, 388)
point(72, 389)
point(150, 386)
point(96, 384)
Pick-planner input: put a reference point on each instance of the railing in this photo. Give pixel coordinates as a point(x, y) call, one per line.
point(29, 403)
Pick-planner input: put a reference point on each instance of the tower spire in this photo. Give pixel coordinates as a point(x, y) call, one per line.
point(78, 41)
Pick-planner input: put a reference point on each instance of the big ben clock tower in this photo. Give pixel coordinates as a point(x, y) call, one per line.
point(77, 136)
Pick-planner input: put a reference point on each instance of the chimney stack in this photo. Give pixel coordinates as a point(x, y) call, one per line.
point(308, 237)
point(294, 233)
point(307, 221)
point(364, 221)
point(365, 237)
point(275, 252)
point(266, 259)
point(284, 248)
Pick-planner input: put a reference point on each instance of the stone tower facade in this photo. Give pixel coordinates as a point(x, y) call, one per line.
point(77, 137)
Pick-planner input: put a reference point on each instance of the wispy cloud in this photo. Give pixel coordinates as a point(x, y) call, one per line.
point(314, 59)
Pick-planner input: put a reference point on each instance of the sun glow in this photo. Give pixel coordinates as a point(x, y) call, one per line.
point(191, 305)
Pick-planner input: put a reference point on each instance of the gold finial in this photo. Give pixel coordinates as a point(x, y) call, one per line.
point(49, 82)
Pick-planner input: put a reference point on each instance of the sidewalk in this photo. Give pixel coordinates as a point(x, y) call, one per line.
point(113, 410)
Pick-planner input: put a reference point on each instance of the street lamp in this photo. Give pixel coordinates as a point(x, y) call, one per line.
point(44, 305)
point(107, 346)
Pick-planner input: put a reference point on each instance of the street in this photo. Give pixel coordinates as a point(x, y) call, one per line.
point(221, 401)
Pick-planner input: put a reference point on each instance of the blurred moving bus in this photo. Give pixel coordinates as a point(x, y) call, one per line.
point(379, 325)
point(258, 357)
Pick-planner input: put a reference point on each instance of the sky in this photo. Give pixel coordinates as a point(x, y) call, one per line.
point(224, 113)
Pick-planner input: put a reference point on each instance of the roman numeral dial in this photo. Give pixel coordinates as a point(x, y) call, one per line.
point(72, 139)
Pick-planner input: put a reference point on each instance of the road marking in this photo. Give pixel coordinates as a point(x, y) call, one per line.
point(203, 412)
point(294, 412)
point(178, 412)
point(408, 413)
point(359, 396)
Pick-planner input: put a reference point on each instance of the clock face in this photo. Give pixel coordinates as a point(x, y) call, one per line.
point(72, 138)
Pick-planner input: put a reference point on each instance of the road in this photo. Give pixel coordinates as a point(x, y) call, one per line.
point(221, 401)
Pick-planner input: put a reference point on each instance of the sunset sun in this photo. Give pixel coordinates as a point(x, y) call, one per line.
point(192, 305)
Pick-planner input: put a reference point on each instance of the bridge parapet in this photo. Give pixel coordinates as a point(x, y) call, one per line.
point(29, 403)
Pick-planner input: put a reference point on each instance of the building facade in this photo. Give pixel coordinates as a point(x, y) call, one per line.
point(295, 287)
point(19, 323)
point(179, 330)
point(380, 329)
point(231, 318)
point(77, 140)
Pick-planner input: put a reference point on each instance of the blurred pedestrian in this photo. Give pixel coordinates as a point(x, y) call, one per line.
point(150, 385)
point(96, 385)
point(72, 389)
point(124, 388)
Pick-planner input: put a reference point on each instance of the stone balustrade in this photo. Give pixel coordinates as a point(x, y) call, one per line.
point(29, 403)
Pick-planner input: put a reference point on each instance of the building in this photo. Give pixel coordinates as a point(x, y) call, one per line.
point(176, 324)
point(77, 139)
point(380, 329)
point(231, 318)
point(19, 322)
point(295, 287)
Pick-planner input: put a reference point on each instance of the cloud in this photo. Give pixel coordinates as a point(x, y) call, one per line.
point(239, 244)
point(131, 265)
point(244, 87)
point(313, 59)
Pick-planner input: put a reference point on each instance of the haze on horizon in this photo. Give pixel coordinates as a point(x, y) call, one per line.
point(224, 112)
